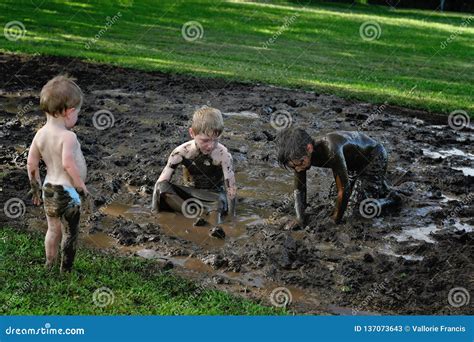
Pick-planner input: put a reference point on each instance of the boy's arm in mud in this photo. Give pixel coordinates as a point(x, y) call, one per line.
point(162, 183)
point(300, 195)
point(229, 180)
point(32, 166)
point(339, 169)
point(70, 146)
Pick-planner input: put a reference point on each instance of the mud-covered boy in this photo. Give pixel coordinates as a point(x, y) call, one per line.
point(209, 182)
point(63, 187)
point(345, 153)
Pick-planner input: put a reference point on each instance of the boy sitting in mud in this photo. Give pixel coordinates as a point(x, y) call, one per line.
point(207, 171)
point(346, 153)
point(63, 188)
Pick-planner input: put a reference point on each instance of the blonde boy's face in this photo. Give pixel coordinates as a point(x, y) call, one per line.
point(205, 143)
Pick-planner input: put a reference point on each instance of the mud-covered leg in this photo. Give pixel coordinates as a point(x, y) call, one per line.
point(71, 219)
point(173, 201)
point(52, 240)
point(165, 196)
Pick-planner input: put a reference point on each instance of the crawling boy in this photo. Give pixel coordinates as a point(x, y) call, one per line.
point(63, 187)
point(207, 171)
point(345, 153)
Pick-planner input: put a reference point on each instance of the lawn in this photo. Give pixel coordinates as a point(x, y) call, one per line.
point(102, 285)
point(418, 59)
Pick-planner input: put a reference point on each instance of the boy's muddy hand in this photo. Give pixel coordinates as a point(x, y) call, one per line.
point(87, 204)
point(35, 192)
point(35, 196)
point(82, 191)
point(336, 219)
point(292, 224)
point(86, 199)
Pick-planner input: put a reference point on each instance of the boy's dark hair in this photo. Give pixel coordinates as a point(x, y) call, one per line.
point(291, 144)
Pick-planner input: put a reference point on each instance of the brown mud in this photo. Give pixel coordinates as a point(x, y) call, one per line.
point(404, 262)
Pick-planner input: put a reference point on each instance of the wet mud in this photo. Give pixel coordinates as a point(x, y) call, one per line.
point(401, 262)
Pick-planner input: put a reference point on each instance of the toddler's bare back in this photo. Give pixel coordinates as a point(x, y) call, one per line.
point(49, 141)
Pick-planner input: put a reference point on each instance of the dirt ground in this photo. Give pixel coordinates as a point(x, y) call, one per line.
point(411, 261)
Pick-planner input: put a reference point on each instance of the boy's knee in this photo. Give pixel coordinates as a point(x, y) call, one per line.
point(165, 187)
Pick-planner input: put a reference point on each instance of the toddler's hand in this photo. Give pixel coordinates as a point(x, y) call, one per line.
point(35, 193)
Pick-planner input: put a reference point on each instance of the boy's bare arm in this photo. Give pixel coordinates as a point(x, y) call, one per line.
point(300, 195)
point(174, 160)
point(70, 144)
point(32, 165)
point(343, 187)
point(229, 179)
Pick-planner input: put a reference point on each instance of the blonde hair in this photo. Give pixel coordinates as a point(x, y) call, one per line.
point(208, 120)
point(59, 94)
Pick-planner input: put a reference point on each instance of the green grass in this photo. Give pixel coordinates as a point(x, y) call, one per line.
point(138, 285)
point(320, 50)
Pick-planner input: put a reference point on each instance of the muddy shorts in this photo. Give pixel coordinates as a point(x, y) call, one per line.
point(372, 182)
point(58, 199)
point(64, 203)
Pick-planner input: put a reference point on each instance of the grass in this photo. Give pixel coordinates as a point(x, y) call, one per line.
point(319, 47)
point(138, 286)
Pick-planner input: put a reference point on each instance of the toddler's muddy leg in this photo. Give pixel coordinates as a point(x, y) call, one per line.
point(70, 235)
point(52, 240)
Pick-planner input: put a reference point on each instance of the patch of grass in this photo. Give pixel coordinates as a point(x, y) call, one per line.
point(316, 46)
point(138, 286)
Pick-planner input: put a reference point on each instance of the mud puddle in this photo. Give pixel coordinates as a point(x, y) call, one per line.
point(403, 262)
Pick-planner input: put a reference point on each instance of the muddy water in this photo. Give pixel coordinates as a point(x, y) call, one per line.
point(425, 248)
